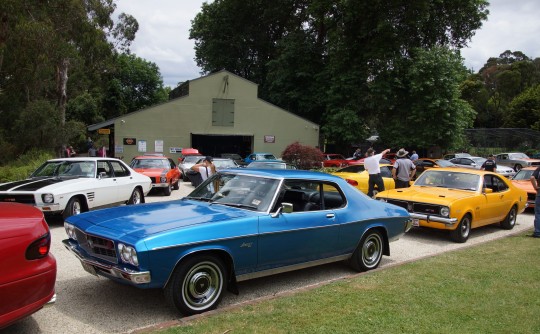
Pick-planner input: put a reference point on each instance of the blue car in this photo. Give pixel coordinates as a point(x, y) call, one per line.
point(268, 157)
point(237, 225)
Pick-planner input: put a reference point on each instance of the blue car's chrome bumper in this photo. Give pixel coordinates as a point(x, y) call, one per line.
point(97, 268)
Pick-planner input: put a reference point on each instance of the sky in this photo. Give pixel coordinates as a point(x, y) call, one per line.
point(163, 36)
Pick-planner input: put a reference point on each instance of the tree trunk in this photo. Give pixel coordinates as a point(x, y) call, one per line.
point(61, 80)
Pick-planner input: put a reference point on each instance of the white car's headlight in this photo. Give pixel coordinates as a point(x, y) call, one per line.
point(445, 211)
point(128, 254)
point(70, 231)
point(47, 198)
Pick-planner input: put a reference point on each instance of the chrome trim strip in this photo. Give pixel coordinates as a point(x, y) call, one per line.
point(280, 270)
point(430, 218)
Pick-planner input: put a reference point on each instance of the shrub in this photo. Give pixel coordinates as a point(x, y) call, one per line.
point(303, 156)
point(21, 168)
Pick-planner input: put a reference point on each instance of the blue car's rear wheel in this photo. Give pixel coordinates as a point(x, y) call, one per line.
point(369, 253)
point(197, 284)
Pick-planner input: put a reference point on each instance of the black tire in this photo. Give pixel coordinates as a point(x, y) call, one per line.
point(510, 220)
point(517, 167)
point(197, 284)
point(136, 197)
point(175, 185)
point(73, 208)
point(184, 177)
point(461, 233)
point(369, 253)
point(167, 190)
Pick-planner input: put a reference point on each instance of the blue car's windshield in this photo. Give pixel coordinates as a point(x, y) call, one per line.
point(243, 191)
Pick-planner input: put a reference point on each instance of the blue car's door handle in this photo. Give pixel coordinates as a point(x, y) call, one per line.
point(330, 215)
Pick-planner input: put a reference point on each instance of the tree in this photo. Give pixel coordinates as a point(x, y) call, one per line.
point(524, 111)
point(135, 84)
point(424, 107)
point(318, 58)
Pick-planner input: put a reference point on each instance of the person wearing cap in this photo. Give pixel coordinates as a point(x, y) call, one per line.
point(371, 163)
point(403, 170)
point(489, 165)
point(206, 168)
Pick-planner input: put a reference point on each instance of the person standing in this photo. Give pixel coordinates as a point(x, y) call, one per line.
point(357, 154)
point(535, 182)
point(489, 165)
point(403, 170)
point(206, 168)
point(92, 151)
point(372, 165)
point(414, 156)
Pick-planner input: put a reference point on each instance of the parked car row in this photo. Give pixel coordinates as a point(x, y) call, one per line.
point(514, 160)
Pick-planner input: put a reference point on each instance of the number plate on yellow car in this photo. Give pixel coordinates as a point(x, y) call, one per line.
point(415, 222)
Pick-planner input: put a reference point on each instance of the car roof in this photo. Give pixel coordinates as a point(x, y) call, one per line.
point(284, 173)
point(84, 159)
point(153, 157)
point(461, 170)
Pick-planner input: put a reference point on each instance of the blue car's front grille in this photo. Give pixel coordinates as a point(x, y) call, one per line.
point(96, 246)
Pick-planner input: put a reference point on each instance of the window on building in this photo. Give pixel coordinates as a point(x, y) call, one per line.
point(222, 112)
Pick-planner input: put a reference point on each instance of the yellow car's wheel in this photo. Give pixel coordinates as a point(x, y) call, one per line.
point(461, 233)
point(510, 220)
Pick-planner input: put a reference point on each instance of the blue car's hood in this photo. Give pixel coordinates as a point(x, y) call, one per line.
point(147, 219)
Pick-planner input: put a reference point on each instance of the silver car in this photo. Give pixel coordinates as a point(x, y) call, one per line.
point(516, 160)
point(477, 162)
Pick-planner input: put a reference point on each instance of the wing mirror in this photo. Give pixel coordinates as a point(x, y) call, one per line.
point(284, 208)
point(488, 190)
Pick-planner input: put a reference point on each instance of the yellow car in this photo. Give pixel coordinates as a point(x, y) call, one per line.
point(459, 199)
point(358, 176)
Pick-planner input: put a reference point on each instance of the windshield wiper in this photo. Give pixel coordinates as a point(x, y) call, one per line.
point(238, 205)
point(205, 199)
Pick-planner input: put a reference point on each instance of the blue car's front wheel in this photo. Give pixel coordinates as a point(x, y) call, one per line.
point(197, 284)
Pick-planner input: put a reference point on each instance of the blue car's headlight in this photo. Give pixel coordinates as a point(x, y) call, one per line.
point(47, 198)
point(128, 254)
point(70, 231)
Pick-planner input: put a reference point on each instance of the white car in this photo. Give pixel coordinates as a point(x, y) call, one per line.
point(477, 162)
point(70, 186)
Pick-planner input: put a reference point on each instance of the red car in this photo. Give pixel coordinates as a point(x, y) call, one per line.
point(161, 170)
point(334, 160)
point(27, 269)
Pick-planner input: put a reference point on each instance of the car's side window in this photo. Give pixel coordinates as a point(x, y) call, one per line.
point(306, 195)
point(119, 169)
point(104, 169)
point(386, 171)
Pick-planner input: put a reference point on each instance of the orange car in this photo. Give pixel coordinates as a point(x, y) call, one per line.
point(161, 169)
point(522, 180)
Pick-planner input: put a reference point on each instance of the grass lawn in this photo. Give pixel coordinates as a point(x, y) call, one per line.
point(490, 288)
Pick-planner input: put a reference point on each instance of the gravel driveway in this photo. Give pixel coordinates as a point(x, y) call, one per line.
point(86, 304)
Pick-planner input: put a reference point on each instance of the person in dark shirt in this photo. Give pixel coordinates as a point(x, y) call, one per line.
point(489, 165)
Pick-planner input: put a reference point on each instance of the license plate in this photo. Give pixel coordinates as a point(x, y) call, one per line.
point(415, 222)
point(89, 268)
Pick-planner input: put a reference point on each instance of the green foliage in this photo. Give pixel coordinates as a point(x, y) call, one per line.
point(24, 165)
point(319, 58)
point(525, 110)
point(303, 156)
point(426, 95)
